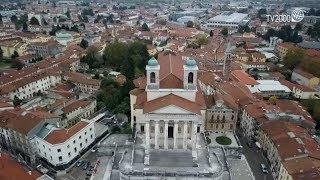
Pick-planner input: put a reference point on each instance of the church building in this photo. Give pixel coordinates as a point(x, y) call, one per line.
point(167, 106)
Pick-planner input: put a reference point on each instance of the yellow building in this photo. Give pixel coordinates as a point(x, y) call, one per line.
point(8, 48)
point(283, 48)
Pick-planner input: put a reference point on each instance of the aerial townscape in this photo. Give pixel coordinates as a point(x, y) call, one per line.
point(159, 90)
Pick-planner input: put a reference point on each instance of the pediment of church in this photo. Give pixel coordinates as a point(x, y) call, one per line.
point(172, 109)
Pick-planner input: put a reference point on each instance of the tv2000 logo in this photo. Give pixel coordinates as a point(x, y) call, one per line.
point(296, 16)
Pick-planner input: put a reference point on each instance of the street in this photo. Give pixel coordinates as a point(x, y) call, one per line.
point(255, 158)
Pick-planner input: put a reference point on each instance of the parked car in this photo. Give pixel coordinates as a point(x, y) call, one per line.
point(249, 144)
point(264, 168)
point(79, 163)
point(94, 149)
point(86, 165)
point(89, 173)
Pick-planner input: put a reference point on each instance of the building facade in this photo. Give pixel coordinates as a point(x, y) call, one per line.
point(170, 108)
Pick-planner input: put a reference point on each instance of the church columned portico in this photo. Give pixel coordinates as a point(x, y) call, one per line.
point(170, 134)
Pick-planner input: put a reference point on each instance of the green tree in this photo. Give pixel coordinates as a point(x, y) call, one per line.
point(16, 101)
point(273, 100)
point(84, 44)
point(68, 14)
point(24, 27)
point(15, 55)
point(34, 21)
point(145, 27)
point(14, 19)
point(211, 33)
point(293, 58)
point(115, 53)
point(17, 64)
point(202, 40)
point(1, 54)
point(190, 24)
point(298, 26)
point(127, 68)
point(225, 32)
point(261, 14)
point(312, 12)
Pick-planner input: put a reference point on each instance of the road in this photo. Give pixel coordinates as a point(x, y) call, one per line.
point(255, 158)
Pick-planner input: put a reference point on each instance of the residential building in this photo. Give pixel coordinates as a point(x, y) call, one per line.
point(304, 78)
point(283, 48)
point(85, 84)
point(45, 49)
point(60, 146)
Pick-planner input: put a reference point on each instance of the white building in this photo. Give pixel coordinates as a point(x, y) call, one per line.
point(270, 88)
point(170, 108)
point(60, 146)
point(30, 86)
point(229, 20)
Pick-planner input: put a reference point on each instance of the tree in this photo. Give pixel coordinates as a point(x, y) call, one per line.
point(293, 58)
point(34, 21)
point(225, 32)
point(190, 24)
point(1, 54)
point(17, 64)
point(127, 68)
point(202, 40)
point(211, 33)
point(145, 27)
point(14, 19)
point(312, 12)
point(298, 26)
point(24, 27)
point(115, 53)
point(68, 14)
point(84, 44)
point(261, 14)
point(16, 101)
point(15, 55)
point(273, 100)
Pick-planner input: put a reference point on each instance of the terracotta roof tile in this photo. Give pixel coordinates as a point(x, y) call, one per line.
point(12, 170)
point(61, 135)
point(171, 99)
point(243, 77)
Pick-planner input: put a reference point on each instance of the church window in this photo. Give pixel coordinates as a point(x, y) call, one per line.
point(217, 126)
point(223, 118)
point(190, 77)
point(232, 117)
point(179, 130)
point(218, 117)
point(152, 77)
point(211, 118)
point(222, 126)
point(161, 129)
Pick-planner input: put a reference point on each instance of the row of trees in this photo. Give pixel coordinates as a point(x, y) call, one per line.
point(54, 29)
point(286, 33)
point(314, 31)
point(131, 60)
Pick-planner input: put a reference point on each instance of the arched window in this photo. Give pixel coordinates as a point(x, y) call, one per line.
point(190, 77)
point(211, 118)
point(223, 118)
point(218, 118)
point(152, 77)
point(232, 117)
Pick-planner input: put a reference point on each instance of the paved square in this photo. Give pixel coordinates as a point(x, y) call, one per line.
point(171, 158)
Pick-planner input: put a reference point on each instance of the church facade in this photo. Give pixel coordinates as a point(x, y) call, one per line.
point(168, 107)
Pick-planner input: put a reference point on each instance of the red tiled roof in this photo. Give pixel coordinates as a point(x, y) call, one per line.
point(243, 77)
point(75, 105)
point(303, 73)
point(62, 135)
point(12, 170)
point(171, 99)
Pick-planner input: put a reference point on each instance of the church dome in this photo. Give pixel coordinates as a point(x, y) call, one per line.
point(191, 62)
point(153, 62)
